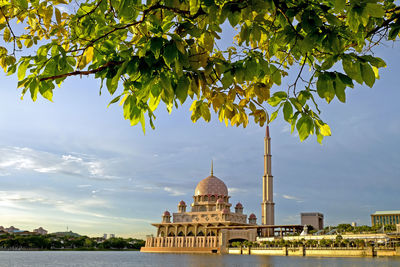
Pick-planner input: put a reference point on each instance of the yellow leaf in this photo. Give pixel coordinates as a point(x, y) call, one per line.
point(123, 99)
point(89, 54)
point(58, 16)
point(6, 34)
point(376, 72)
point(325, 130)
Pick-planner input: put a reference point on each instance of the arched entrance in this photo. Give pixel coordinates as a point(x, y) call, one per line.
point(235, 241)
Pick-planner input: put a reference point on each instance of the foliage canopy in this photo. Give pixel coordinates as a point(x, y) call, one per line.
point(167, 51)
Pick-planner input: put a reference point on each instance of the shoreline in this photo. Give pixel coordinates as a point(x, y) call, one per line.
point(67, 249)
point(318, 252)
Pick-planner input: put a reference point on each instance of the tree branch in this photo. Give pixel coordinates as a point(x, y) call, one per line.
point(87, 72)
point(383, 25)
point(9, 27)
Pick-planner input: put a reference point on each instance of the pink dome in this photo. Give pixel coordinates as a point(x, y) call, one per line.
point(220, 201)
point(211, 186)
point(225, 211)
point(239, 205)
point(252, 216)
point(182, 203)
point(166, 213)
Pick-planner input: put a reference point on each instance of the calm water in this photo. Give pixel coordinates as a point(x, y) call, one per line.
point(132, 258)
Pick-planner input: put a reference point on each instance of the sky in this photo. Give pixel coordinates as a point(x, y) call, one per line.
point(76, 164)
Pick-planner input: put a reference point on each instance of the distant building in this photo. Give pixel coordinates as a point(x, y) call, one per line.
point(11, 230)
point(1, 228)
point(386, 217)
point(40, 231)
point(112, 235)
point(315, 219)
point(69, 234)
point(104, 236)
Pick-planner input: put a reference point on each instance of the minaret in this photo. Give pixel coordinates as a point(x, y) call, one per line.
point(267, 205)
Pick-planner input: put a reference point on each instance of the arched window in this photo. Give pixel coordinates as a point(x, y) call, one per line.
point(180, 233)
point(162, 234)
point(190, 233)
point(171, 234)
point(200, 233)
point(205, 198)
point(213, 198)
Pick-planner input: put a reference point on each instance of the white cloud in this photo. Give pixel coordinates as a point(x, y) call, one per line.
point(27, 159)
point(173, 192)
point(293, 198)
point(234, 190)
point(84, 185)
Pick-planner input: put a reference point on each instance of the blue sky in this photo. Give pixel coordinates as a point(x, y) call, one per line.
point(76, 163)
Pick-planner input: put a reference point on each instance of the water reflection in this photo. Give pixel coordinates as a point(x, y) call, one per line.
point(131, 258)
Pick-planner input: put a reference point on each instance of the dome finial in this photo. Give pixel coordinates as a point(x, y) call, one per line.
point(212, 171)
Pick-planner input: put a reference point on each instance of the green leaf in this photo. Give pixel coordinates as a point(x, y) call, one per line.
point(128, 10)
point(273, 116)
point(142, 121)
point(112, 84)
point(234, 18)
point(325, 87)
point(22, 69)
point(23, 3)
point(375, 10)
point(276, 75)
point(34, 89)
point(305, 127)
point(227, 80)
point(340, 4)
point(287, 111)
point(368, 74)
point(339, 89)
point(345, 79)
point(156, 44)
point(352, 69)
point(170, 53)
point(251, 68)
point(182, 89)
point(46, 90)
point(205, 112)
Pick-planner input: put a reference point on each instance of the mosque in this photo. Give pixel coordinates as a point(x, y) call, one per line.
point(211, 225)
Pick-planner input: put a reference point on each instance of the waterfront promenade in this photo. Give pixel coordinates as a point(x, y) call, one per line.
point(318, 251)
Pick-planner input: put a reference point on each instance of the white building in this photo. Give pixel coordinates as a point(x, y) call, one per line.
point(40, 231)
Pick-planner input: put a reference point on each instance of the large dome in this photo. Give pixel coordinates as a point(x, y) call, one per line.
point(211, 186)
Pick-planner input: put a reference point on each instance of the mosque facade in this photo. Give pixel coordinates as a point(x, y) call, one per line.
point(211, 223)
point(204, 226)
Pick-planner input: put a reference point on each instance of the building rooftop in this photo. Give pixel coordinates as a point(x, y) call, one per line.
point(386, 212)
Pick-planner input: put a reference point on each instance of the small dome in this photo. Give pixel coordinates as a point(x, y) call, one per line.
point(211, 186)
point(225, 211)
point(220, 201)
point(252, 216)
point(239, 205)
point(182, 203)
point(166, 213)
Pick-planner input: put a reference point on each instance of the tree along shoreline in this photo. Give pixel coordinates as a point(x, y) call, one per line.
point(66, 249)
point(54, 242)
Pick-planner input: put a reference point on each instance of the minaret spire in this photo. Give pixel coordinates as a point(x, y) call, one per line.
point(267, 205)
point(212, 171)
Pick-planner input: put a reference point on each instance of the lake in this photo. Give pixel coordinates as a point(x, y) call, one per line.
point(133, 258)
